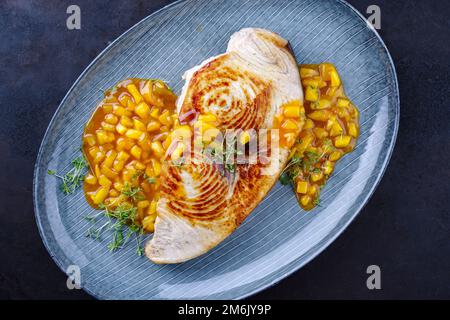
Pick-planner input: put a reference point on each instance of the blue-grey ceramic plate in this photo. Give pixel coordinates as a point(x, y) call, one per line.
point(278, 237)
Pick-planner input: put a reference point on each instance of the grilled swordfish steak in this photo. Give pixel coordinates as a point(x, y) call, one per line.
point(244, 88)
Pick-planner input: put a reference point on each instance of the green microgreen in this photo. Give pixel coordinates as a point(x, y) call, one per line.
point(72, 179)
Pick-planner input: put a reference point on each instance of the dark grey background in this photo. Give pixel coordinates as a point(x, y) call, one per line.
point(405, 227)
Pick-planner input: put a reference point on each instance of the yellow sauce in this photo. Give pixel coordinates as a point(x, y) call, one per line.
point(330, 131)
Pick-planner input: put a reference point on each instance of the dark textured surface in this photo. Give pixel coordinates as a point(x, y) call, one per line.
point(404, 228)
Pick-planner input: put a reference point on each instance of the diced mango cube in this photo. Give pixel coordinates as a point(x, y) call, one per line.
point(309, 124)
point(135, 93)
point(292, 111)
point(97, 170)
point(126, 121)
point(209, 117)
point(124, 143)
point(154, 113)
point(289, 138)
point(335, 79)
point(136, 152)
point(156, 166)
point(305, 200)
point(210, 134)
point(312, 94)
point(244, 137)
point(100, 195)
point(118, 165)
point(167, 142)
point(353, 130)
point(305, 142)
point(120, 111)
point(148, 223)
point(122, 156)
point(134, 134)
point(121, 129)
point(325, 70)
point(289, 124)
point(113, 193)
point(124, 99)
point(165, 118)
point(110, 157)
point(336, 129)
point(153, 126)
point(312, 190)
point(142, 110)
point(90, 179)
point(335, 156)
point(157, 148)
point(328, 167)
point(302, 187)
point(143, 204)
point(110, 173)
point(107, 107)
point(104, 181)
point(139, 166)
point(342, 141)
point(316, 176)
point(111, 118)
point(319, 115)
point(139, 125)
point(152, 207)
point(313, 82)
point(343, 102)
point(308, 72)
point(321, 104)
point(316, 82)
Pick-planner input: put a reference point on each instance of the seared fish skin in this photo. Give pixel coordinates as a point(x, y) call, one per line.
point(244, 88)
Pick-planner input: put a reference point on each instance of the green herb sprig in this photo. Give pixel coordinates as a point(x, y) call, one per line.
point(74, 177)
point(134, 193)
point(121, 219)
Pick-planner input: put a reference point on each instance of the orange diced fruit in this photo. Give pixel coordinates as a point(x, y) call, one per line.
point(319, 115)
point(335, 79)
point(302, 187)
point(343, 102)
point(342, 141)
point(134, 134)
point(288, 124)
point(353, 130)
point(90, 179)
point(292, 111)
point(312, 94)
point(336, 129)
point(305, 200)
point(136, 152)
point(134, 92)
point(142, 110)
point(100, 195)
point(307, 72)
point(335, 156)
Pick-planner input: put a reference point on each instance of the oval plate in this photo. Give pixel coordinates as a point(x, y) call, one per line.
point(278, 237)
